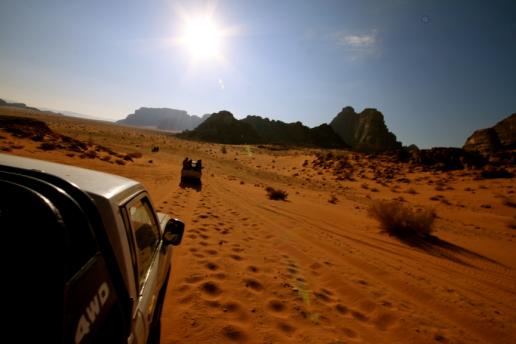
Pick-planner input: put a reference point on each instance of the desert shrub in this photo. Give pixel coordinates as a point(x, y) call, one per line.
point(508, 202)
point(276, 194)
point(135, 155)
point(333, 199)
point(401, 220)
point(445, 201)
point(440, 187)
point(223, 149)
point(120, 162)
point(91, 154)
point(46, 146)
point(412, 191)
point(37, 137)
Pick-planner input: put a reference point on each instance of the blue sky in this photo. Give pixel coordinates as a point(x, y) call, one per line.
point(438, 70)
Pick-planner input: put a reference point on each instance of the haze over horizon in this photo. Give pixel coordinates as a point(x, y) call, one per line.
point(437, 70)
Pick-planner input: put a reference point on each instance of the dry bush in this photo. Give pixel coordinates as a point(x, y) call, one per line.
point(223, 149)
point(508, 202)
point(276, 194)
point(440, 187)
point(135, 155)
point(401, 220)
point(411, 191)
point(46, 146)
point(445, 201)
point(120, 162)
point(333, 199)
point(90, 154)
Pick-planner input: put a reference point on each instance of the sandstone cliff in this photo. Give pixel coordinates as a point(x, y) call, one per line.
point(365, 131)
point(500, 137)
point(162, 118)
point(222, 127)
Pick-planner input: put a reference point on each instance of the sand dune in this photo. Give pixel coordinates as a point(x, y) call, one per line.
point(307, 270)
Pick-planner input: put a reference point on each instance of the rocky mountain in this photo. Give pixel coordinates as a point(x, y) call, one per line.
point(222, 127)
point(501, 136)
point(278, 132)
point(365, 131)
point(18, 105)
point(163, 118)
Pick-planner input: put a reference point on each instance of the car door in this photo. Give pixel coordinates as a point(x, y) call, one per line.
point(145, 236)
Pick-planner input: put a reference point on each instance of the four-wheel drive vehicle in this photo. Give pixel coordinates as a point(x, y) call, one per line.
point(90, 246)
point(191, 171)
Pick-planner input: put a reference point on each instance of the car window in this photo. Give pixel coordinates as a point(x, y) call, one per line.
point(145, 234)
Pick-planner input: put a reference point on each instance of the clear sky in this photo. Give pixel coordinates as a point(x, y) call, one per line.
point(438, 70)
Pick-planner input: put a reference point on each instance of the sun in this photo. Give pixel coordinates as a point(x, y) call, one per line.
point(202, 38)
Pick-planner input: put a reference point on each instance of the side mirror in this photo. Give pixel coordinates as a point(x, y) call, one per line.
point(173, 234)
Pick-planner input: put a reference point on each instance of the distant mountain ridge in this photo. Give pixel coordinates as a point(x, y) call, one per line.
point(163, 118)
point(18, 105)
point(222, 127)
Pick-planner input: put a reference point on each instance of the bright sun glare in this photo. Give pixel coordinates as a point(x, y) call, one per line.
point(202, 38)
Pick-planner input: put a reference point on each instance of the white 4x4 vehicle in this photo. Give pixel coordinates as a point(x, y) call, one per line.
point(95, 242)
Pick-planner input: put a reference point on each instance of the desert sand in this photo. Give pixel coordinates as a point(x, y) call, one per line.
point(315, 268)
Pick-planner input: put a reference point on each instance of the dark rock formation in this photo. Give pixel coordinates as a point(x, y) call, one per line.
point(18, 105)
point(277, 132)
point(492, 140)
point(446, 159)
point(365, 131)
point(325, 137)
point(163, 118)
point(222, 127)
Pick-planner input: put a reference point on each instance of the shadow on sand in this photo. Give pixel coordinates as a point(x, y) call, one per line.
point(444, 249)
point(197, 186)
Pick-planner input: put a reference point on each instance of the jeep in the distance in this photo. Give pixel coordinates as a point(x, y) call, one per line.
point(94, 249)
